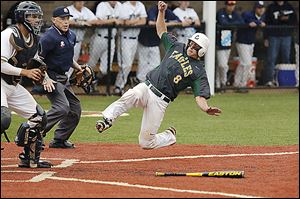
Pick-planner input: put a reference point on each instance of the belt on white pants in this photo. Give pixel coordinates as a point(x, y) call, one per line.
point(157, 92)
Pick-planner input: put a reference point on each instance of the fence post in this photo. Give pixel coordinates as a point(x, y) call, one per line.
point(209, 17)
point(108, 80)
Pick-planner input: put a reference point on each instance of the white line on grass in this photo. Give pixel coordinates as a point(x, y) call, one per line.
point(92, 114)
point(189, 157)
point(124, 184)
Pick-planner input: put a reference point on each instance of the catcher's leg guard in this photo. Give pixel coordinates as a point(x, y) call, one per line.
point(39, 119)
point(5, 120)
point(102, 125)
point(30, 137)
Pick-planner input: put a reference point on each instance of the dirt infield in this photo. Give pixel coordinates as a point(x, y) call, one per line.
point(112, 170)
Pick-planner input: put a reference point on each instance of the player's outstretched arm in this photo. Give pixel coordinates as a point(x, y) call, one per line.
point(202, 103)
point(160, 22)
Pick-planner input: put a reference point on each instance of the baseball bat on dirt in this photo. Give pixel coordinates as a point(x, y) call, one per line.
point(222, 174)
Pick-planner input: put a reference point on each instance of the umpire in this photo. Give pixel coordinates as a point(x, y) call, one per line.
point(56, 48)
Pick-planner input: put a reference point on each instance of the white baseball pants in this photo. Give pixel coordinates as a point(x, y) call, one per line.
point(245, 52)
point(154, 110)
point(149, 58)
point(126, 56)
point(17, 99)
point(99, 46)
point(222, 67)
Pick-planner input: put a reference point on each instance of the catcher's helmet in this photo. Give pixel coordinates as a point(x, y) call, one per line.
point(202, 40)
point(31, 9)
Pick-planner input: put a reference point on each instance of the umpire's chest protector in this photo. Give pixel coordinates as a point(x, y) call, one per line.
point(24, 51)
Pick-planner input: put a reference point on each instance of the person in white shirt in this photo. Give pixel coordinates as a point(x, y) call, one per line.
point(133, 13)
point(82, 16)
point(189, 17)
point(108, 13)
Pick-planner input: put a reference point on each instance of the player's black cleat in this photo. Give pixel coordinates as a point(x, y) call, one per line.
point(102, 125)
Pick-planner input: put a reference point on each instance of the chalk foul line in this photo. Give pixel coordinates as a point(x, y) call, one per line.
point(124, 184)
point(188, 157)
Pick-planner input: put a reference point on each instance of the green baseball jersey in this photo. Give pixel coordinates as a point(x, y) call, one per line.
point(178, 71)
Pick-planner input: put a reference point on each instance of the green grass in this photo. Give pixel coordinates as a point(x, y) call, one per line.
point(247, 119)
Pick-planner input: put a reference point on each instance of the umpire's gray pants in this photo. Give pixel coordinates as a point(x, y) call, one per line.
point(65, 109)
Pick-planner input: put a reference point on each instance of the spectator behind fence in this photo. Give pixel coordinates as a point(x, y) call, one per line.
point(108, 13)
point(225, 16)
point(134, 14)
point(278, 39)
point(245, 42)
point(148, 47)
point(82, 17)
point(189, 17)
point(10, 19)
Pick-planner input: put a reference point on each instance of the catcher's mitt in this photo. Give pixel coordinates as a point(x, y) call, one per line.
point(37, 63)
point(83, 80)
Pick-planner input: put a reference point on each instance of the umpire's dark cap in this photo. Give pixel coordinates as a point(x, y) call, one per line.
point(259, 4)
point(61, 12)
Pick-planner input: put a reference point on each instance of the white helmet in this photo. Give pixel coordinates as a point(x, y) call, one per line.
point(202, 40)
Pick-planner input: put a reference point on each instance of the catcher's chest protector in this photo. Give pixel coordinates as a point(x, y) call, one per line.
point(25, 51)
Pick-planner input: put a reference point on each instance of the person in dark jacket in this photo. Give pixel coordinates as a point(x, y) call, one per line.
point(225, 16)
point(278, 38)
point(245, 41)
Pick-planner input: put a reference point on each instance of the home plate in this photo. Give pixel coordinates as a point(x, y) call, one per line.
point(88, 114)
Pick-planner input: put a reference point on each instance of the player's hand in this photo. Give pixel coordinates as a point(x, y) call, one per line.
point(262, 24)
point(252, 24)
point(214, 111)
point(187, 22)
point(162, 6)
point(266, 43)
point(48, 84)
point(35, 74)
point(79, 78)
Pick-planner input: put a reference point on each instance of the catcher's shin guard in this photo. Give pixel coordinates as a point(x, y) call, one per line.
point(102, 125)
point(30, 158)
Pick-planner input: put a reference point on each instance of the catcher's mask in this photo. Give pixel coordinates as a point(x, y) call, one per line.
point(30, 15)
point(88, 76)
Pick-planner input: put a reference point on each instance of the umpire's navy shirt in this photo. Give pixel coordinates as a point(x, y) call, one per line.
point(57, 49)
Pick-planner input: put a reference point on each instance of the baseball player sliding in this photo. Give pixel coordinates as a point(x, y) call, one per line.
point(181, 67)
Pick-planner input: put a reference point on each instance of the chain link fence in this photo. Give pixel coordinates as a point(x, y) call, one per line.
point(121, 61)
